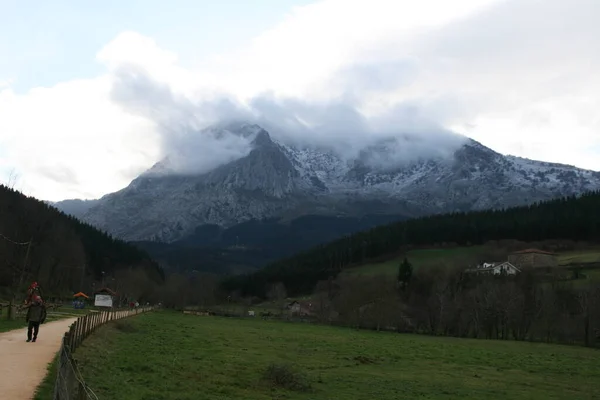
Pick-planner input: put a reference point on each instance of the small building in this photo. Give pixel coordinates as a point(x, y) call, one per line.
point(104, 297)
point(79, 300)
point(533, 258)
point(299, 308)
point(504, 268)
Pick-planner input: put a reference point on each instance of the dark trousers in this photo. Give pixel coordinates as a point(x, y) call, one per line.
point(35, 327)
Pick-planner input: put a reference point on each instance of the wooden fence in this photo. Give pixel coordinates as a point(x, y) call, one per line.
point(69, 384)
point(13, 311)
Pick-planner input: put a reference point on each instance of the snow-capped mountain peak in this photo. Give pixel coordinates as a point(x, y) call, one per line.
point(272, 178)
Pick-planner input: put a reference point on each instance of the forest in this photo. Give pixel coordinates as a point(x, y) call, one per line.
point(39, 242)
point(573, 218)
point(253, 244)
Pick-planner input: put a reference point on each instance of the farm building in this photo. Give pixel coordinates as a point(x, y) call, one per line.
point(533, 258)
point(496, 269)
point(299, 308)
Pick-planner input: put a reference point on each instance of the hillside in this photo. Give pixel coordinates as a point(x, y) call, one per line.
point(41, 243)
point(253, 244)
point(575, 218)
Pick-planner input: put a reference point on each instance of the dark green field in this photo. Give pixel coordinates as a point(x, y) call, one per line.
point(165, 355)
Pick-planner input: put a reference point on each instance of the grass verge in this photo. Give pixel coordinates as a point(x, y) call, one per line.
point(168, 356)
point(45, 390)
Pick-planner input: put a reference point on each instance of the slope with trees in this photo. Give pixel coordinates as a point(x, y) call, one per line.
point(253, 244)
point(38, 242)
point(575, 218)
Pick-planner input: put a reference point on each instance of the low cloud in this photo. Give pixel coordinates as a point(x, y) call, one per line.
point(488, 71)
point(335, 125)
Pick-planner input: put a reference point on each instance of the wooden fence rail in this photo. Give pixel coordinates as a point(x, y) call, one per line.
point(69, 383)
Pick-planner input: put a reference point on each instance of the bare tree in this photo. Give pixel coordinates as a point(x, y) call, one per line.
point(12, 179)
point(277, 294)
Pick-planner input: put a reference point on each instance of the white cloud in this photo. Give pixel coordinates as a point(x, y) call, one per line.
point(298, 55)
point(5, 83)
point(70, 141)
point(521, 76)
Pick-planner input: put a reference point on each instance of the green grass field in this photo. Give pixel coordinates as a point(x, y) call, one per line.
point(583, 256)
point(164, 355)
point(424, 258)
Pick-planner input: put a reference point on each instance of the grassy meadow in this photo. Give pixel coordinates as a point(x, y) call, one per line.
point(424, 258)
point(421, 258)
point(168, 356)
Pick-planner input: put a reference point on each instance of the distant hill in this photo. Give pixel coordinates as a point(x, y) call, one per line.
point(74, 207)
point(64, 254)
point(575, 218)
point(253, 244)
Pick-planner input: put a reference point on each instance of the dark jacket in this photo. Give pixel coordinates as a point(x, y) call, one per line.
point(36, 313)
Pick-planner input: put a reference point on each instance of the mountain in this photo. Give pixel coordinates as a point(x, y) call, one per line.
point(277, 180)
point(39, 242)
point(75, 207)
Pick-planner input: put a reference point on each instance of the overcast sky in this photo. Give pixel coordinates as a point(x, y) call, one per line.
point(92, 94)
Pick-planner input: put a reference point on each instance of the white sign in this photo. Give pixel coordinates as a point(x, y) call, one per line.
point(103, 300)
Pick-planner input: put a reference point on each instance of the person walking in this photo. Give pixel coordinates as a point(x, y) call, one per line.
point(36, 315)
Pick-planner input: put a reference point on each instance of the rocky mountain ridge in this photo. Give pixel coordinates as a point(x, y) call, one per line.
point(278, 180)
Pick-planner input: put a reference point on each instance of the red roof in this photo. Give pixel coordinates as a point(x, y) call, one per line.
point(537, 251)
point(106, 291)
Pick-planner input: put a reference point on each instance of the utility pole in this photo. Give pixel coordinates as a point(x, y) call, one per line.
point(25, 263)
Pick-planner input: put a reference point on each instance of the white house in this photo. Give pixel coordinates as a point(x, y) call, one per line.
point(496, 269)
point(505, 268)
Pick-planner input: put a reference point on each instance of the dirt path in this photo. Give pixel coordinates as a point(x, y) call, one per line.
point(23, 365)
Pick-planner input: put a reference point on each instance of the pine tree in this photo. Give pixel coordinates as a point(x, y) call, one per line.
point(405, 272)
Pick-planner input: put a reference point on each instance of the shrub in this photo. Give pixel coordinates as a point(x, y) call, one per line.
point(284, 376)
point(125, 326)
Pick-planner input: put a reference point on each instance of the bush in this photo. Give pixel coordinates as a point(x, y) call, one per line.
point(284, 376)
point(125, 326)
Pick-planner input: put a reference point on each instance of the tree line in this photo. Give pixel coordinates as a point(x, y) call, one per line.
point(573, 217)
point(39, 242)
point(445, 301)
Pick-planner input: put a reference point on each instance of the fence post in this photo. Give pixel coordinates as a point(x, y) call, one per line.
point(70, 337)
point(77, 333)
point(85, 325)
point(81, 394)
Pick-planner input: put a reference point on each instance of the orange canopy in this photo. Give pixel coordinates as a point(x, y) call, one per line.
point(80, 294)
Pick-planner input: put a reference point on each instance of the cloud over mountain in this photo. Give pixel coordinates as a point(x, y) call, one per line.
point(520, 76)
